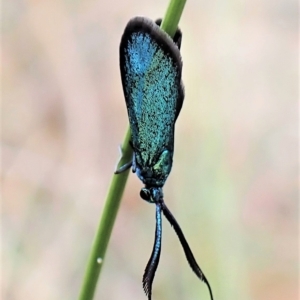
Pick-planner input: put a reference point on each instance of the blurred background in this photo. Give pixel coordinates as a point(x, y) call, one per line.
point(234, 183)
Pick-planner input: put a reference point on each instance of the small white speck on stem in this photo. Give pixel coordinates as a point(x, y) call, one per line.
point(99, 260)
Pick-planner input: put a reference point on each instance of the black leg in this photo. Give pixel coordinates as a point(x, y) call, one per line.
point(124, 168)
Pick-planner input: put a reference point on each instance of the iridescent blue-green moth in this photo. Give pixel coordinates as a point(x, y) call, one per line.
point(151, 66)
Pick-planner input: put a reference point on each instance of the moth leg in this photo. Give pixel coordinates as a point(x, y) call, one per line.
point(133, 163)
point(125, 166)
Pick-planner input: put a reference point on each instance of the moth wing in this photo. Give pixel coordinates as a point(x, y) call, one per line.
point(151, 66)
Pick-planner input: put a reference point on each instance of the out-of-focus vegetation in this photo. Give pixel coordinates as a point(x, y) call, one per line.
point(234, 183)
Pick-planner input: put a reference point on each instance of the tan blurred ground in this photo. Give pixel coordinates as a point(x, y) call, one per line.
point(234, 183)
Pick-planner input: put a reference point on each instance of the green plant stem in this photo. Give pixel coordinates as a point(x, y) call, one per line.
point(117, 185)
point(107, 220)
point(171, 19)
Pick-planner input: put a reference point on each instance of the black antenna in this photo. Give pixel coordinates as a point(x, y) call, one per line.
point(154, 259)
point(188, 252)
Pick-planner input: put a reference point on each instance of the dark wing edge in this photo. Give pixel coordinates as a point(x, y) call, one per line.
point(177, 38)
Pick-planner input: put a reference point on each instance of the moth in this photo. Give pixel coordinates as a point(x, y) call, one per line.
point(151, 67)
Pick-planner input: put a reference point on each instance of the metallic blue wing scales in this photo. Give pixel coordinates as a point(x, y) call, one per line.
point(151, 75)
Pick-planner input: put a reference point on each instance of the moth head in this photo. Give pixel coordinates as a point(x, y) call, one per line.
point(152, 194)
point(145, 194)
